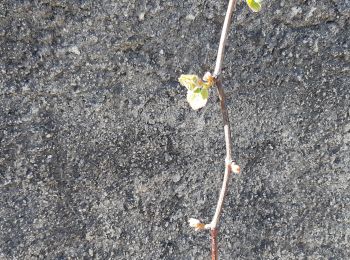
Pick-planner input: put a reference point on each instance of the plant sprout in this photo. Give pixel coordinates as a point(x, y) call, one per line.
point(197, 97)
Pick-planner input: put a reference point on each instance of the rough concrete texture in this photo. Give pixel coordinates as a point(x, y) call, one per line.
point(102, 158)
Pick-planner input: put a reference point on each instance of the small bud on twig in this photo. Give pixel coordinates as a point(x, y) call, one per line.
point(197, 224)
point(235, 168)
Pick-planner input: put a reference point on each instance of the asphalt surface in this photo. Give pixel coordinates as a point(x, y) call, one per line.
point(101, 157)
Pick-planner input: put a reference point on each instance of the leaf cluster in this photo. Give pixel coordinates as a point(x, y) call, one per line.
point(197, 89)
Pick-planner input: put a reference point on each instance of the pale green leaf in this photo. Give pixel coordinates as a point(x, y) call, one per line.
point(197, 90)
point(197, 100)
point(189, 81)
point(205, 93)
point(254, 5)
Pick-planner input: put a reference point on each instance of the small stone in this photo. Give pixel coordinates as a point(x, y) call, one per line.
point(176, 177)
point(142, 16)
point(74, 50)
point(190, 17)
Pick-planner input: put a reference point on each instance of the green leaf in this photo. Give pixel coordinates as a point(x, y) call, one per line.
point(197, 90)
point(205, 93)
point(189, 81)
point(197, 100)
point(254, 5)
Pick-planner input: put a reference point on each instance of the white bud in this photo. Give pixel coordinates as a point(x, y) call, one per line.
point(207, 76)
point(196, 224)
point(235, 168)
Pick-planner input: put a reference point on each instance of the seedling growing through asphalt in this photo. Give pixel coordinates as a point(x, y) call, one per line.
point(197, 96)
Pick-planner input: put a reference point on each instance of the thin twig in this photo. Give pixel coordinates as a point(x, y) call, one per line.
point(228, 170)
point(220, 57)
point(214, 244)
point(228, 160)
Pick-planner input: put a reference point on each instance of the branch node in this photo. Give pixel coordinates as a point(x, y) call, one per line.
point(228, 161)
